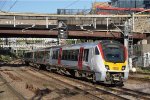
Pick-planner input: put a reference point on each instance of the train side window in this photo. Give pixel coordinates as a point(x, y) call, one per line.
point(76, 55)
point(46, 54)
point(29, 55)
point(68, 55)
point(40, 54)
point(86, 53)
point(96, 51)
point(35, 56)
point(56, 55)
point(53, 55)
point(73, 55)
point(63, 55)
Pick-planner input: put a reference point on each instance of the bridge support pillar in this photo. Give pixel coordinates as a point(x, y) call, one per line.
point(94, 24)
point(46, 22)
point(14, 21)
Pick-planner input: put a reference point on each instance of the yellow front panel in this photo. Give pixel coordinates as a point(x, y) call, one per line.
point(115, 66)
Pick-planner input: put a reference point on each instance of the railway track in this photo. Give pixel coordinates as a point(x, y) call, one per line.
point(14, 91)
point(143, 73)
point(140, 79)
point(131, 93)
point(117, 92)
point(90, 96)
point(94, 92)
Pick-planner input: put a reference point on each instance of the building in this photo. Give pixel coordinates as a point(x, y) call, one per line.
point(131, 3)
point(142, 53)
point(102, 4)
point(147, 4)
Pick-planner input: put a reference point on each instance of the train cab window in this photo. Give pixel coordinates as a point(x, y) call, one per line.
point(96, 51)
point(86, 53)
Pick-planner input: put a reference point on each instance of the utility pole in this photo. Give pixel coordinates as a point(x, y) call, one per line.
point(126, 33)
point(128, 40)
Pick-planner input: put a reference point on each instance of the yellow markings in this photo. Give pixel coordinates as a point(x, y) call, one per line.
point(115, 66)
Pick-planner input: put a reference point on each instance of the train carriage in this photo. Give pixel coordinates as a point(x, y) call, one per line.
point(28, 57)
point(104, 61)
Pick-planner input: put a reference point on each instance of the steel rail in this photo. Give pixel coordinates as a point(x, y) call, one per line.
point(139, 79)
point(19, 95)
point(100, 90)
point(115, 91)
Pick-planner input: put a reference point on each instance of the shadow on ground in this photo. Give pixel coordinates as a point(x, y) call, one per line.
point(40, 93)
point(11, 65)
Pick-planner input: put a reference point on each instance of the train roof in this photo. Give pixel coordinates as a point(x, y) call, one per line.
point(77, 46)
point(90, 44)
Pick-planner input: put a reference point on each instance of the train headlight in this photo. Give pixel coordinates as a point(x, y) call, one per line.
point(123, 67)
point(107, 67)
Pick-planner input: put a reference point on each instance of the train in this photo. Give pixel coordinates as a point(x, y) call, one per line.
point(101, 61)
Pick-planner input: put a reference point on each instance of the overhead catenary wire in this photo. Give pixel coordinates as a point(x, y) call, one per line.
point(12, 5)
point(71, 4)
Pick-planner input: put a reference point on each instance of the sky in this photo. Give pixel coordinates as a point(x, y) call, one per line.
point(44, 6)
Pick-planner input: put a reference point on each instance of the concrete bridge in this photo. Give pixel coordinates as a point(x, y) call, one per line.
point(79, 26)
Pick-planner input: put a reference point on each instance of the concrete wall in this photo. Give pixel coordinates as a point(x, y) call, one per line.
point(148, 40)
point(146, 48)
point(138, 50)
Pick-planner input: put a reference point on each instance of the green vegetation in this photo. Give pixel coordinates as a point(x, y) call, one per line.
point(146, 77)
point(143, 70)
point(5, 58)
point(6, 55)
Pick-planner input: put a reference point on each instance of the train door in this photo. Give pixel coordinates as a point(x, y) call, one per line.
point(80, 58)
point(59, 56)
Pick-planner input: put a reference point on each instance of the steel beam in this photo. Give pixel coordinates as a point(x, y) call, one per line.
point(72, 34)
